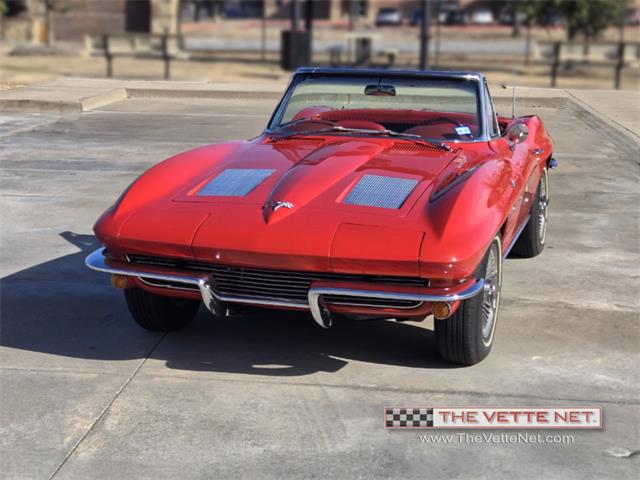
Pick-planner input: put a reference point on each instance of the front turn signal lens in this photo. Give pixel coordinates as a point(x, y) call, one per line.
point(118, 281)
point(441, 310)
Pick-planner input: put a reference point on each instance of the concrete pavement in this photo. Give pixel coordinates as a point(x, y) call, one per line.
point(85, 393)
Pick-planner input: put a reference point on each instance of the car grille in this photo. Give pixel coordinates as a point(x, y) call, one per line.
point(281, 285)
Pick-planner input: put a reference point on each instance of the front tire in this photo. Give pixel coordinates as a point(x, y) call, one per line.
point(158, 313)
point(532, 239)
point(467, 336)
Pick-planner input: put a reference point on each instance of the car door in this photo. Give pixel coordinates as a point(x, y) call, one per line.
point(535, 156)
point(518, 157)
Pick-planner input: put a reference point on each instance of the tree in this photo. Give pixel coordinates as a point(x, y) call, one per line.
point(529, 12)
point(590, 17)
point(586, 17)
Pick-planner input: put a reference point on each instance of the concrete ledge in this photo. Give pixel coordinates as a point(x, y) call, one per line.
point(38, 106)
point(616, 108)
point(83, 94)
point(626, 108)
point(79, 94)
point(102, 99)
point(205, 93)
point(504, 104)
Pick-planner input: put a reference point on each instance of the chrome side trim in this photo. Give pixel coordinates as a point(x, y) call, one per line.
point(366, 305)
point(97, 261)
point(316, 292)
point(190, 288)
point(515, 237)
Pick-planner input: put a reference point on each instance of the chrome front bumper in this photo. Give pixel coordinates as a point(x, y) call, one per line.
point(213, 300)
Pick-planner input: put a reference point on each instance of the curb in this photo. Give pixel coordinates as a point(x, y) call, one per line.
point(39, 106)
point(205, 94)
point(93, 102)
point(119, 94)
point(100, 100)
point(581, 104)
point(531, 102)
point(624, 138)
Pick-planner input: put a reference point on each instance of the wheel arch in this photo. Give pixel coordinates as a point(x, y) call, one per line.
point(463, 222)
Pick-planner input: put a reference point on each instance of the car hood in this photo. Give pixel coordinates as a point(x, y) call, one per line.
point(301, 201)
point(319, 173)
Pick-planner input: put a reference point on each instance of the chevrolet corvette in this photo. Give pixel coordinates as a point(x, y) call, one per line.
point(371, 194)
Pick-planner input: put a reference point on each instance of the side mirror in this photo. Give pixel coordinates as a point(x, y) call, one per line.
point(516, 133)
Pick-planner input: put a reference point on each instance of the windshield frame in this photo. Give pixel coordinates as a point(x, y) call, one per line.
point(304, 73)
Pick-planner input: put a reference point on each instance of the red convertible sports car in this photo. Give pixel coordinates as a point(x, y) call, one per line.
point(371, 194)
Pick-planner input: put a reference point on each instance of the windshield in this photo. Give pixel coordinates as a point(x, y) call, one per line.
point(431, 108)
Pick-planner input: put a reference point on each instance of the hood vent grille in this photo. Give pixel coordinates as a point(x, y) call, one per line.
point(295, 140)
point(234, 182)
point(380, 191)
point(408, 148)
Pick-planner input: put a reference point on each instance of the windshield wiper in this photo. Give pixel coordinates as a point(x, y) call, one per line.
point(413, 136)
point(367, 131)
point(293, 123)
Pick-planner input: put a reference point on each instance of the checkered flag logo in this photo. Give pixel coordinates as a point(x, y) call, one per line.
point(408, 417)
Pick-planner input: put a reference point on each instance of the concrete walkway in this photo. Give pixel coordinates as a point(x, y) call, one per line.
point(619, 109)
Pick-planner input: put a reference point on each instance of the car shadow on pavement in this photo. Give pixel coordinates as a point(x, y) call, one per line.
point(61, 308)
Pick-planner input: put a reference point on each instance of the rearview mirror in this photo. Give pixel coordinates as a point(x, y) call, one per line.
point(380, 90)
point(517, 133)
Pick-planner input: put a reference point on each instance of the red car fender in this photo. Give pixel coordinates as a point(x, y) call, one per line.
point(463, 219)
point(159, 182)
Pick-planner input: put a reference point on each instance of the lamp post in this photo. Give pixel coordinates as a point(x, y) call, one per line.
point(425, 34)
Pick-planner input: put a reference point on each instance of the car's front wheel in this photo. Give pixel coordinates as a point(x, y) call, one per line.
point(467, 336)
point(158, 313)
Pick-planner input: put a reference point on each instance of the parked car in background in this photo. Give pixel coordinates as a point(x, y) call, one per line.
point(482, 16)
point(506, 17)
point(437, 17)
point(388, 17)
point(456, 17)
point(416, 18)
point(633, 16)
point(439, 13)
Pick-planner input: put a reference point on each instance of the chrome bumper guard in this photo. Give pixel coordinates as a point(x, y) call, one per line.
point(214, 301)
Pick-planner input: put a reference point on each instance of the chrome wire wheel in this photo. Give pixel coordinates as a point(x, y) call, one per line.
point(466, 337)
point(543, 203)
point(491, 293)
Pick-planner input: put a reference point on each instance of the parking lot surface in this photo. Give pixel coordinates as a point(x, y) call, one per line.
point(85, 393)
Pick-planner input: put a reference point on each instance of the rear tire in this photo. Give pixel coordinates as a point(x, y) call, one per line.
point(158, 313)
point(532, 239)
point(467, 336)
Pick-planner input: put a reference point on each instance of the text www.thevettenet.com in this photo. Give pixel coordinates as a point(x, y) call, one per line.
point(496, 438)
